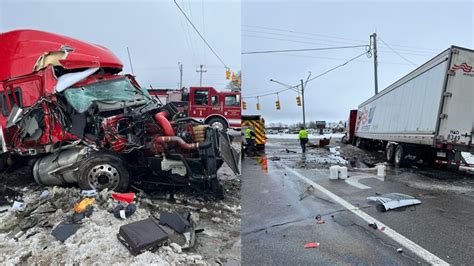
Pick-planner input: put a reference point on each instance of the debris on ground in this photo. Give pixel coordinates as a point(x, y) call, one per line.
point(142, 235)
point(393, 201)
point(50, 231)
point(305, 193)
point(319, 219)
point(311, 245)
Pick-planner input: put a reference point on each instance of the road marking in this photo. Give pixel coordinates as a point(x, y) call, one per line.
point(400, 239)
point(354, 180)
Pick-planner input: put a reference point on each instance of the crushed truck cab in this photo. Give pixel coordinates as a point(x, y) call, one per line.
point(65, 104)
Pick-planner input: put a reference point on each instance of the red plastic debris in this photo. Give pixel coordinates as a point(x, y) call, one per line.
point(124, 197)
point(382, 229)
point(311, 245)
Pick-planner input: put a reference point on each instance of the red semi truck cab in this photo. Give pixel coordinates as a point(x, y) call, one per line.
point(220, 109)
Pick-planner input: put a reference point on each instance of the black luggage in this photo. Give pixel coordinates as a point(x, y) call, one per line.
point(142, 235)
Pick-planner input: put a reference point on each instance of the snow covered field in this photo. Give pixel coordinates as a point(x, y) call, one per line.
point(310, 136)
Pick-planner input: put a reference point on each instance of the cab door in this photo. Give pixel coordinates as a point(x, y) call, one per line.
point(200, 102)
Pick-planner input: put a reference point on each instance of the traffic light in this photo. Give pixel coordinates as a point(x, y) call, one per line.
point(298, 100)
point(233, 77)
point(227, 73)
point(244, 105)
point(258, 106)
point(277, 104)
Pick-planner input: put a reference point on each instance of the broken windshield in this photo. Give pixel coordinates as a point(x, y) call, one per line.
point(117, 90)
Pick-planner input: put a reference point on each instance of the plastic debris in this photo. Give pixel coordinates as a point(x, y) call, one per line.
point(124, 197)
point(44, 194)
point(89, 193)
point(319, 220)
point(311, 245)
point(373, 225)
point(19, 206)
point(63, 231)
point(122, 212)
point(82, 205)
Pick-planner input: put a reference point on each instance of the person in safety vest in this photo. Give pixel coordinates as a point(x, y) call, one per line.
point(250, 139)
point(303, 137)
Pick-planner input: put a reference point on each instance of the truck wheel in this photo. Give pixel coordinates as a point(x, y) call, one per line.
point(103, 170)
point(217, 122)
point(400, 154)
point(390, 152)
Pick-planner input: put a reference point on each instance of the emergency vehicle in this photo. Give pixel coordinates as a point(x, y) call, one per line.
point(219, 109)
point(257, 123)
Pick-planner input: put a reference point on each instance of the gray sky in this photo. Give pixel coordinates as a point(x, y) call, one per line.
point(418, 30)
point(156, 33)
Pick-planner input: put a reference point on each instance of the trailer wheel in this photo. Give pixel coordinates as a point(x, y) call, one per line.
point(217, 122)
point(390, 152)
point(103, 170)
point(400, 154)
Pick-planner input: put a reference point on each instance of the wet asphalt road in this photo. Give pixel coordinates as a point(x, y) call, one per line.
point(276, 224)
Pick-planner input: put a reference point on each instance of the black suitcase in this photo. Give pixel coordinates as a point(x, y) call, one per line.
point(142, 235)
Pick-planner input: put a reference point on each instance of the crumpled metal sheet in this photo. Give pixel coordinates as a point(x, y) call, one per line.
point(392, 201)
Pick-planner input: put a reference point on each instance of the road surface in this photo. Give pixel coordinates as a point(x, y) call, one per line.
point(276, 224)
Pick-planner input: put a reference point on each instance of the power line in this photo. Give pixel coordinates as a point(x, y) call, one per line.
point(401, 56)
point(305, 50)
point(332, 36)
point(311, 79)
point(200, 35)
point(325, 42)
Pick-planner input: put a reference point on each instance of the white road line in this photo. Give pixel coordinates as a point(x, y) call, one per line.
point(354, 180)
point(400, 239)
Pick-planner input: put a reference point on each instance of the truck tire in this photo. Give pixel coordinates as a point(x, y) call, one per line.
point(217, 122)
point(103, 170)
point(390, 152)
point(400, 153)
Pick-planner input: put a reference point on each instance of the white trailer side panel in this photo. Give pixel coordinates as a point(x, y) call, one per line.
point(457, 126)
point(407, 111)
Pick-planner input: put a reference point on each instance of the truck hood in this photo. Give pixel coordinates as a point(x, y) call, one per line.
point(26, 51)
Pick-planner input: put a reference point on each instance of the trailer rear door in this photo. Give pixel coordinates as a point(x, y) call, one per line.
point(457, 123)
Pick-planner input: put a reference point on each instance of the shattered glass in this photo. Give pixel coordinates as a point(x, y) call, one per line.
point(117, 90)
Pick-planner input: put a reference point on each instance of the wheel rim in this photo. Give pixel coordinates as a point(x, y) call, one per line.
point(219, 125)
point(390, 153)
point(398, 155)
point(103, 176)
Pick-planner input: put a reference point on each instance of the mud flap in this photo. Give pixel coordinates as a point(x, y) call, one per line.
point(228, 153)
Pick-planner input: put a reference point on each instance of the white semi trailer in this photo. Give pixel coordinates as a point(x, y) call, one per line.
point(428, 114)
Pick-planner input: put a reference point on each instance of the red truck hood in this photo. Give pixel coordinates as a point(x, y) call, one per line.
point(23, 52)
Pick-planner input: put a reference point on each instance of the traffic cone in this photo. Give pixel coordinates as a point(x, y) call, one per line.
point(124, 197)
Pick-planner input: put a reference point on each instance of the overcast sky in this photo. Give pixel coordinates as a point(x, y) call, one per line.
point(418, 30)
point(155, 31)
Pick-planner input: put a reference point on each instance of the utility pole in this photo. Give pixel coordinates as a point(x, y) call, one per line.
point(180, 75)
point(130, 59)
point(302, 103)
point(200, 71)
point(374, 39)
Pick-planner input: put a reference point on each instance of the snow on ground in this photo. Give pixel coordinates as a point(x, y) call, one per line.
point(310, 136)
point(96, 241)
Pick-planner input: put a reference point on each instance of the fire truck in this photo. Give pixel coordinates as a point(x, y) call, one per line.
point(219, 109)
